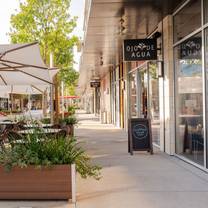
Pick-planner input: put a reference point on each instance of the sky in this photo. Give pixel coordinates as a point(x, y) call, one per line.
point(11, 6)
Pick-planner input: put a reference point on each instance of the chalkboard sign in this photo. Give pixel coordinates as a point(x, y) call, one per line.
point(139, 135)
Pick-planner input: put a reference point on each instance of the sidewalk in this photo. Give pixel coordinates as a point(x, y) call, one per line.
point(142, 180)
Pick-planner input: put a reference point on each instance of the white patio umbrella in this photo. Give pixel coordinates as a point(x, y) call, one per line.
point(21, 64)
point(22, 89)
point(22, 69)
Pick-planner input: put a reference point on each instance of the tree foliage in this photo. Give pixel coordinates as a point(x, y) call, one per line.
point(49, 23)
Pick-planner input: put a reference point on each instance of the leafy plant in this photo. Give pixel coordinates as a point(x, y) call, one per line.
point(46, 120)
point(71, 110)
point(49, 23)
point(70, 120)
point(48, 151)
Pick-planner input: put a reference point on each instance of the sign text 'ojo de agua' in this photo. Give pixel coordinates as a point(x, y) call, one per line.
point(140, 49)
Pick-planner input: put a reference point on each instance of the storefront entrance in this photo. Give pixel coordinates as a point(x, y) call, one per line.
point(144, 92)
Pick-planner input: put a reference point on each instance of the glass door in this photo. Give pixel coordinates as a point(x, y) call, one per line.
point(145, 97)
point(154, 102)
point(148, 98)
point(142, 92)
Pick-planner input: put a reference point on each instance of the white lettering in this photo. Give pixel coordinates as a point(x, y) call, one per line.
point(148, 54)
point(133, 55)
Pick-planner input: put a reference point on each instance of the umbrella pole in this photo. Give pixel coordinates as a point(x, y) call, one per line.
point(62, 94)
point(11, 100)
point(52, 103)
point(29, 107)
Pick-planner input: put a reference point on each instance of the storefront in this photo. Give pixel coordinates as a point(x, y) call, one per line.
point(190, 54)
point(178, 112)
point(170, 89)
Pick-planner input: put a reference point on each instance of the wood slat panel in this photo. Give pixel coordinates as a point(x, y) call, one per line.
point(37, 196)
point(33, 183)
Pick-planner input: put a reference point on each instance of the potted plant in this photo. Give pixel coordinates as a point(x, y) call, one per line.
point(71, 110)
point(46, 120)
point(43, 168)
point(68, 124)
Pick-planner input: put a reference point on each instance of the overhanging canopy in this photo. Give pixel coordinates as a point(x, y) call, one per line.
point(21, 64)
point(107, 23)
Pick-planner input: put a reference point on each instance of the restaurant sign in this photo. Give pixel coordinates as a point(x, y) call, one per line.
point(191, 49)
point(94, 83)
point(140, 49)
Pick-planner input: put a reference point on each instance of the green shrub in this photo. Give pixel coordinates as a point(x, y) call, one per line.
point(46, 120)
point(71, 109)
point(48, 151)
point(70, 120)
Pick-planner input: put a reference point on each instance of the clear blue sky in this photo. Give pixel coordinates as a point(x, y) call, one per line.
point(9, 7)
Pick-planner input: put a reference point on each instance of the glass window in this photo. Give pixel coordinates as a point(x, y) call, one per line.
point(205, 11)
point(133, 95)
point(206, 66)
point(189, 100)
point(154, 102)
point(142, 92)
point(187, 20)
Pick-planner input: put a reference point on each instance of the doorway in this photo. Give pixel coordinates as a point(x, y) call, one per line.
point(145, 97)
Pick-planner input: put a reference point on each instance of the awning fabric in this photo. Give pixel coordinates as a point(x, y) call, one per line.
point(21, 64)
point(22, 89)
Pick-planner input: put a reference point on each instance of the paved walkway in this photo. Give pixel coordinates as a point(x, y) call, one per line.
point(139, 181)
point(142, 180)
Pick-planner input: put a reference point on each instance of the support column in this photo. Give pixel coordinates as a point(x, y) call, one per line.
point(169, 116)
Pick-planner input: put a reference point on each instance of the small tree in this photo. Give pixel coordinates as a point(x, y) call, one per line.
point(49, 23)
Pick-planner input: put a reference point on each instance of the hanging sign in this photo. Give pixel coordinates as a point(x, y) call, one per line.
point(94, 84)
point(139, 135)
point(191, 49)
point(140, 49)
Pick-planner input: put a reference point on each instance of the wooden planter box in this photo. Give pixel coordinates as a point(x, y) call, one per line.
point(69, 129)
point(57, 182)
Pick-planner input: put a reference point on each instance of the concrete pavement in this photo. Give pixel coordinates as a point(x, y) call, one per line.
point(142, 180)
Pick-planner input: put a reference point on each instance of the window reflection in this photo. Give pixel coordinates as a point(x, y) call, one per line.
point(189, 100)
point(154, 102)
point(205, 11)
point(187, 20)
point(133, 95)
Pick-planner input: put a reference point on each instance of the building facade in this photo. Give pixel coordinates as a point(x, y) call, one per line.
point(170, 90)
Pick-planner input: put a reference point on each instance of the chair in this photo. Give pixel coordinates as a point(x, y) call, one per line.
point(2, 140)
point(56, 126)
point(13, 136)
point(20, 126)
point(61, 134)
point(9, 127)
point(7, 120)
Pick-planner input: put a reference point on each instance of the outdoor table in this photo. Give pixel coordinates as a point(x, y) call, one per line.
point(43, 131)
point(3, 124)
point(29, 126)
point(7, 122)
